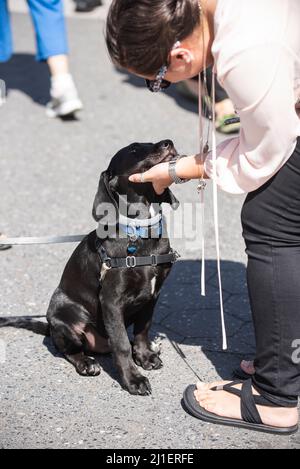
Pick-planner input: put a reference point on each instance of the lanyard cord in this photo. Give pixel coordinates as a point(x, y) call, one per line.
point(215, 204)
point(204, 148)
point(201, 187)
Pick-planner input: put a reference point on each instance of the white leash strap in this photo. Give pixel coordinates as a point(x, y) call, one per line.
point(215, 204)
point(202, 199)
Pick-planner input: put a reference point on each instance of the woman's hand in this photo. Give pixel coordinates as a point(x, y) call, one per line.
point(158, 175)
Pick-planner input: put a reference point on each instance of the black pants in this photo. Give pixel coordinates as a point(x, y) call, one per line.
point(271, 229)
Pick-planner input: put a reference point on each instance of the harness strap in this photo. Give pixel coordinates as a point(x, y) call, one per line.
point(134, 261)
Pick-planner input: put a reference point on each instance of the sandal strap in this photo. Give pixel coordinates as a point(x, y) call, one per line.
point(259, 400)
point(229, 388)
point(249, 401)
point(248, 405)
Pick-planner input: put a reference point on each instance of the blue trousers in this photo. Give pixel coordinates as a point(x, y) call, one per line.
point(49, 25)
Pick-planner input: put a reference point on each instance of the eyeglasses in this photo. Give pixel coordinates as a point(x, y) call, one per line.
point(160, 83)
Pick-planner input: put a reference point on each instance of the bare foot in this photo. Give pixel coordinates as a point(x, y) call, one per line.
point(228, 405)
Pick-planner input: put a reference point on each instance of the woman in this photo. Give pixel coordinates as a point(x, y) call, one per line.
point(49, 25)
point(255, 46)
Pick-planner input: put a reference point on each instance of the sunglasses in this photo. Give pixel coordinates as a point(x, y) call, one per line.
point(160, 83)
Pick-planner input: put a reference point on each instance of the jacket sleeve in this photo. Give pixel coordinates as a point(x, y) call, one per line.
point(260, 83)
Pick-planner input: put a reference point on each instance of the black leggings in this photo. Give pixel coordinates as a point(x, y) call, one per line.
point(271, 229)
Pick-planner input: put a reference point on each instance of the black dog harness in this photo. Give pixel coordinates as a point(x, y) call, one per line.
point(136, 229)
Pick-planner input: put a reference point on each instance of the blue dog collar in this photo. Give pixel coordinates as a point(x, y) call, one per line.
point(134, 231)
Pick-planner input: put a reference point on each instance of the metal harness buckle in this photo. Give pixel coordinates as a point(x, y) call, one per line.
point(130, 261)
point(153, 260)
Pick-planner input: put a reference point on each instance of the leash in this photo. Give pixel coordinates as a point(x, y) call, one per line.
point(41, 240)
point(134, 228)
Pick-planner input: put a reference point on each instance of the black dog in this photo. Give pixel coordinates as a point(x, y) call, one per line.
point(113, 281)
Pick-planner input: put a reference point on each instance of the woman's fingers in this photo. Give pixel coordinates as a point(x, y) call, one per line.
point(139, 177)
point(142, 177)
point(158, 175)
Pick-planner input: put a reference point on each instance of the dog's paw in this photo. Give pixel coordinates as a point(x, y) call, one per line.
point(139, 385)
point(88, 367)
point(149, 361)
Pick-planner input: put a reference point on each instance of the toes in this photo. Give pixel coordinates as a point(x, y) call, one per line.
point(201, 386)
point(207, 386)
point(208, 404)
point(201, 395)
point(206, 399)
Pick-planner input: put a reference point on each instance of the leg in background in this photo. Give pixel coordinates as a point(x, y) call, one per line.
point(6, 46)
point(51, 38)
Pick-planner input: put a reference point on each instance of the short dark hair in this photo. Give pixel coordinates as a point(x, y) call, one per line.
point(141, 33)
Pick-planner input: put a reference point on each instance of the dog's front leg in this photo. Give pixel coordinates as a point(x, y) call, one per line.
point(143, 352)
point(132, 380)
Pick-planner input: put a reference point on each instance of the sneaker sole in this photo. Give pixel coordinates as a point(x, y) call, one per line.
point(65, 109)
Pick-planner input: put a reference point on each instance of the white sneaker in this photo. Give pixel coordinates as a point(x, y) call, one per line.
point(65, 100)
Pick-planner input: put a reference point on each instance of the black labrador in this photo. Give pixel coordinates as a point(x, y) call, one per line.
point(94, 303)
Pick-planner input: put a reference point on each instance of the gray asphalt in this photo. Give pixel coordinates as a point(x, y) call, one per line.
point(49, 174)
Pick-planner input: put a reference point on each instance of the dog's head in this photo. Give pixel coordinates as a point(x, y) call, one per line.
point(135, 158)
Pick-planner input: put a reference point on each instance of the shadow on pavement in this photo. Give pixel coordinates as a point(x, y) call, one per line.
point(192, 324)
point(23, 73)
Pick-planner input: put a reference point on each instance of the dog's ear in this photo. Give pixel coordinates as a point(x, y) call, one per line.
point(105, 194)
point(169, 198)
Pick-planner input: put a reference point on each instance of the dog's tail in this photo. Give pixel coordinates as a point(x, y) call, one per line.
point(39, 327)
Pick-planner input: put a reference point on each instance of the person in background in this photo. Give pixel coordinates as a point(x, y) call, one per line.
point(224, 107)
point(51, 39)
point(84, 6)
